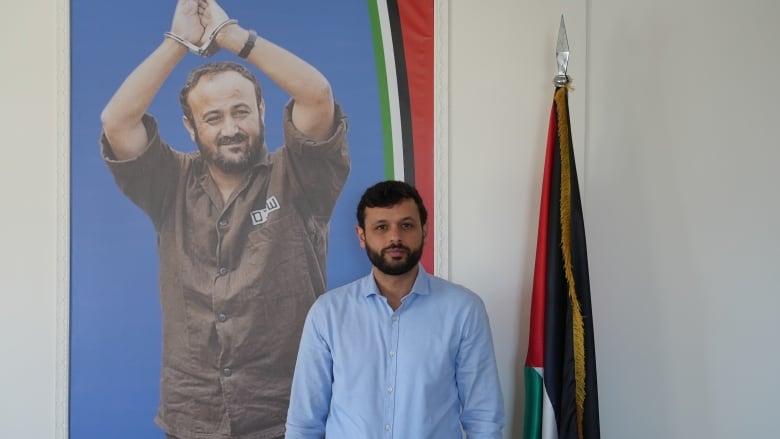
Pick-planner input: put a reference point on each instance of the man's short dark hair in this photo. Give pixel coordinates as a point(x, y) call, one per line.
point(210, 70)
point(387, 194)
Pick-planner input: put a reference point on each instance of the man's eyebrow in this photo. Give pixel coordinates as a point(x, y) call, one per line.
point(210, 113)
point(400, 220)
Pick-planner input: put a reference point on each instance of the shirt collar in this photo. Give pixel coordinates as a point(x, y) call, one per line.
point(422, 285)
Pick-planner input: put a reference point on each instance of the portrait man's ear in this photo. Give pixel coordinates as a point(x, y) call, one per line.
point(361, 234)
point(188, 125)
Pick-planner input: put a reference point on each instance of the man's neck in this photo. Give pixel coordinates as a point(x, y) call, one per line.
point(395, 287)
point(226, 183)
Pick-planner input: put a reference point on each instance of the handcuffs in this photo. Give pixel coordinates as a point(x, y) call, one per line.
point(210, 47)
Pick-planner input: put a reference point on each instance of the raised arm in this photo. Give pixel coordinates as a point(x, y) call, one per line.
point(121, 118)
point(314, 107)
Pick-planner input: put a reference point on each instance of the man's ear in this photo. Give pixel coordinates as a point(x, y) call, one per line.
point(425, 232)
point(187, 124)
point(261, 110)
point(361, 234)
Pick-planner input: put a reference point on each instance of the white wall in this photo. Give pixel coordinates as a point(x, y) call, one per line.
point(683, 213)
point(28, 189)
point(681, 209)
point(673, 116)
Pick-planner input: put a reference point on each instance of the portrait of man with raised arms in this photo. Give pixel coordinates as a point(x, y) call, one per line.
point(242, 233)
point(235, 139)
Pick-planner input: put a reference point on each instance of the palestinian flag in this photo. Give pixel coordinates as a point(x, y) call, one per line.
point(560, 369)
point(403, 37)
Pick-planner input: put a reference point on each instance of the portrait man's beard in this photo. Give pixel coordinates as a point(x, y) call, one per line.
point(394, 267)
point(232, 165)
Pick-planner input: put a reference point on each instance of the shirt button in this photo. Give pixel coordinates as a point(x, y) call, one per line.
point(227, 372)
point(387, 427)
point(392, 353)
point(223, 223)
point(390, 389)
point(223, 271)
point(222, 317)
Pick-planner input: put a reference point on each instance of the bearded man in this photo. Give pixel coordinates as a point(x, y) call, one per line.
point(241, 232)
point(398, 353)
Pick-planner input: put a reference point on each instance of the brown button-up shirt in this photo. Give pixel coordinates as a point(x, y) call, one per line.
point(236, 278)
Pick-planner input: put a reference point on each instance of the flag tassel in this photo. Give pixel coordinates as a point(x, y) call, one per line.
point(578, 332)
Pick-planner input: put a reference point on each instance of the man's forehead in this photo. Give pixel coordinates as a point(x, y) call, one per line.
point(222, 82)
point(220, 91)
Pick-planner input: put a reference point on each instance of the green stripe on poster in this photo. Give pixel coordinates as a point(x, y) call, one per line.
point(382, 86)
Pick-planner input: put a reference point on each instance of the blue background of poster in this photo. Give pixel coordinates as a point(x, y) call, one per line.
point(115, 316)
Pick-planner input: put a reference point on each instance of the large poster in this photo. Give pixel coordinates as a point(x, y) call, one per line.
point(377, 57)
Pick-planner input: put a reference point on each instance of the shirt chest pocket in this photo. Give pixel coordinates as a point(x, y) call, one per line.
point(275, 258)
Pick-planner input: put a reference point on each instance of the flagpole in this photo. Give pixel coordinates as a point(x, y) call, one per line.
point(560, 369)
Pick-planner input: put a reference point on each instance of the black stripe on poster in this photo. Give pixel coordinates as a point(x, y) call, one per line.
point(404, 103)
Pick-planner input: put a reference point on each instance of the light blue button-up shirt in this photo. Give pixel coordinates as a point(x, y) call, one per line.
point(423, 371)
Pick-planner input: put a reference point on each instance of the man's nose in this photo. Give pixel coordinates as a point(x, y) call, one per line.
point(394, 234)
point(229, 127)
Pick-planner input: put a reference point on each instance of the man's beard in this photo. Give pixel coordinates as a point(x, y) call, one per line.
point(241, 164)
point(394, 267)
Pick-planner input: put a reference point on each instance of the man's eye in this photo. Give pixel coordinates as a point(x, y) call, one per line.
point(212, 120)
point(382, 227)
point(407, 226)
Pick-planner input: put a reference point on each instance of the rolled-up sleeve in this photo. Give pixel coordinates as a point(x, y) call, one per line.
point(150, 179)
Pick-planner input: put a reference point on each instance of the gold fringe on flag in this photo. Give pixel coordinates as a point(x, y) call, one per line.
point(565, 205)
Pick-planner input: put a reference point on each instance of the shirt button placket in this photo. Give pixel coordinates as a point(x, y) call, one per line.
point(222, 317)
point(219, 294)
point(392, 369)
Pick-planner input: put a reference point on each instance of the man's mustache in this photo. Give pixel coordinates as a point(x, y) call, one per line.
point(231, 140)
point(397, 247)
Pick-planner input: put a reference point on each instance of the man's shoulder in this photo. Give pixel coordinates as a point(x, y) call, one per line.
point(345, 294)
point(453, 292)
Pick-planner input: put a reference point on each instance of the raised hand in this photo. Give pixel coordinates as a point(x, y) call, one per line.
point(187, 21)
point(211, 15)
